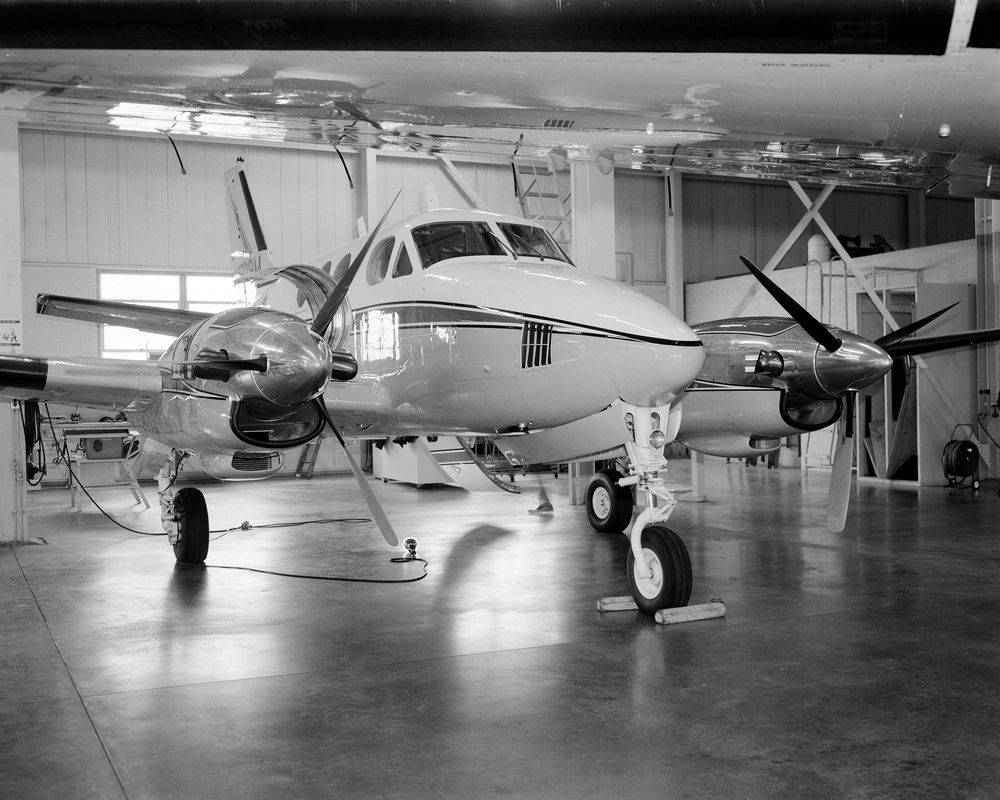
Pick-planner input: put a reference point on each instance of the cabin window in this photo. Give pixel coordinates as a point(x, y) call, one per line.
point(378, 266)
point(341, 270)
point(529, 240)
point(439, 241)
point(403, 265)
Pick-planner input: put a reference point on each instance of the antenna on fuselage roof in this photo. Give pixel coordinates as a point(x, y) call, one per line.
point(251, 258)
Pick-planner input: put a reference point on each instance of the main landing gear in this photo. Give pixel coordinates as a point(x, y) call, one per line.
point(183, 514)
point(658, 565)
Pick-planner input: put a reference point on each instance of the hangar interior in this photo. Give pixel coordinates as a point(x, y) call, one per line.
point(852, 665)
point(498, 653)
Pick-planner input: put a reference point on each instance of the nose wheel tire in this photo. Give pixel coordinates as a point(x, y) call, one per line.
point(191, 513)
point(609, 506)
point(667, 581)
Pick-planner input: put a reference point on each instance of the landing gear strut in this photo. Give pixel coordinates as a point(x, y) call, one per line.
point(183, 514)
point(658, 564)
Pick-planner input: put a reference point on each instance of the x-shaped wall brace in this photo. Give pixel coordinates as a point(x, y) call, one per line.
point(812, 215)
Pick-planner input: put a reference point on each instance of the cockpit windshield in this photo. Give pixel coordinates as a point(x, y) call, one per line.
point(438, 241)
point(529, 240)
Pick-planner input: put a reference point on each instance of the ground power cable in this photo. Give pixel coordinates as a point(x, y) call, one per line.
point(63, 455)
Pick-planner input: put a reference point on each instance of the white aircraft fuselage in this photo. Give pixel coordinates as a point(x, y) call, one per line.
point(489, 343)
point(452, 333)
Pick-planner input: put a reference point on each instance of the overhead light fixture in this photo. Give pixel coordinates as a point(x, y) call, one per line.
point(605, 162)
point(945, 130)
point(152, 117)
point(558, 159)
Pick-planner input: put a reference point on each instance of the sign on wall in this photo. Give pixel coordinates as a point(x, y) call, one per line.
point(10, 337)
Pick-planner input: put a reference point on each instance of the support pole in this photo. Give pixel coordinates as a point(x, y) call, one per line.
point(13, 490)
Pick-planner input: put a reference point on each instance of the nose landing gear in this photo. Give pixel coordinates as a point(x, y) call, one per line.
point(658, 564)
point(663, 580)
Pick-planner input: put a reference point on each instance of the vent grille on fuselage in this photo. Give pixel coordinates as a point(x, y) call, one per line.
point(536, 345)
point(254, 462)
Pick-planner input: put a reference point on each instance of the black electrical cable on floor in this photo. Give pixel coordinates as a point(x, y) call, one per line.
point(403, 560)
point(246, 526)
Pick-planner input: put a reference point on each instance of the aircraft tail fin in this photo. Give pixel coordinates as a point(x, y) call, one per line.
point(251, 258)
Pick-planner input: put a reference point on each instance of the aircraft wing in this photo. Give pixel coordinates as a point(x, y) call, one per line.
point(113, 384)
point(152, 319)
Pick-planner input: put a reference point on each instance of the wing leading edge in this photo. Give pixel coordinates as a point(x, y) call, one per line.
point(170, 321)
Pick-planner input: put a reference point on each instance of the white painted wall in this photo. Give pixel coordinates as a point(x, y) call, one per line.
point(945, 263)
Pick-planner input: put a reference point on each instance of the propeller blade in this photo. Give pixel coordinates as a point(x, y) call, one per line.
point(913, 327)
point(326, 313)
point(932, 344)
point(840, 479)
point(816, 329)
point(378, 513)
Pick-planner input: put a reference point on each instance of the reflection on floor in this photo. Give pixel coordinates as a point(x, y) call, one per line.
point(861, 665)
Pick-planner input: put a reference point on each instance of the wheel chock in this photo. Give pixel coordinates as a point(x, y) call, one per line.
point(670, 616)
point(666, 616)
point(625, 603)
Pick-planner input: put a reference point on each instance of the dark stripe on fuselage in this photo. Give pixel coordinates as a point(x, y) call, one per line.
point(417, 315)
point(22, 372)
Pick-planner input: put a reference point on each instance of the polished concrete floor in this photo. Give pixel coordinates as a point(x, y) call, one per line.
point(859, 665)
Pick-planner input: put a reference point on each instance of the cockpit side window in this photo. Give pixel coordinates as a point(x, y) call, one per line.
point(403, 265)
point(378, 265)
point(438, 241)
point(530, 240)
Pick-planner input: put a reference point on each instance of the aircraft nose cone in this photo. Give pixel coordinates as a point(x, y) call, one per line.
point(299, 364)
point(655, 355)
point(856, 363)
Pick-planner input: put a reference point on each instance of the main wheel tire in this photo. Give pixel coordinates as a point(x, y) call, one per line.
point(192, 526)
point(609, 506)
point(670, 584)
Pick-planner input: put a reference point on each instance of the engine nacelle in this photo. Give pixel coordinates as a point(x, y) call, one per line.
point(776, 353)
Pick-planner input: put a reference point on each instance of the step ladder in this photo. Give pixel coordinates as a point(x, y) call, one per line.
point(307, 458)
point(544, 196)
point(468, 445)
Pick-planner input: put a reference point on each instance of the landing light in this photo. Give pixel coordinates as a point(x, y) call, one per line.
point(657, 439)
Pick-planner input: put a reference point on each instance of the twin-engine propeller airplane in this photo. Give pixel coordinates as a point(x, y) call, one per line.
point(764, 379)
point(463, 322)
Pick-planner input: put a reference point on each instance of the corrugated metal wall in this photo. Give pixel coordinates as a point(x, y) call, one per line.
point(108, 201)
point(724, 219)
point(640, 224)
point(123, 202)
